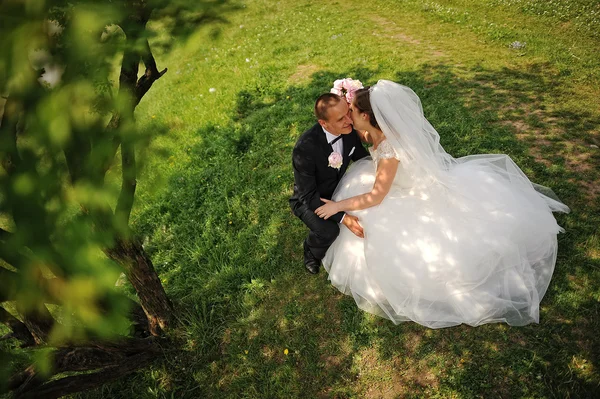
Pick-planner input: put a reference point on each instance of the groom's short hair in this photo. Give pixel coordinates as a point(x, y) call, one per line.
point(324, 102)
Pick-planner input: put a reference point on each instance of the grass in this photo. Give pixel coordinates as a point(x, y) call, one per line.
point(254, 323)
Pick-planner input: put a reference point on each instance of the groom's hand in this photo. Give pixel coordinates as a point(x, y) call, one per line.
point(351, 222)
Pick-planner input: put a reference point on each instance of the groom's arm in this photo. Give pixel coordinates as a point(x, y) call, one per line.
point(305, 178)
point(337, 217)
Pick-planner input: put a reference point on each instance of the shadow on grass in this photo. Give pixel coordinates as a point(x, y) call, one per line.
point(256, 325)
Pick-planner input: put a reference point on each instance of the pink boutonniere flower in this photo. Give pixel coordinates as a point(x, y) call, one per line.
point(335, 160)
point(346, 88)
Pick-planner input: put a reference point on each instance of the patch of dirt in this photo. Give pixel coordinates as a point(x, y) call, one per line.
point(593, 253)
point(591, 188)
point(267, 352)
point(387, 29)
point(405, 38)
point(411, 344)
point(303, 73)
point(389, 382)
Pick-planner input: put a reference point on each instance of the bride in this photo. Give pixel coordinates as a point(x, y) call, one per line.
point(446, 241)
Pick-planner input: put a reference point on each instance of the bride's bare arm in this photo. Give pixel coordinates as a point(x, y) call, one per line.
point(386, 171)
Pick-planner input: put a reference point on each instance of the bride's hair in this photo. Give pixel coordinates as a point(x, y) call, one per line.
point(362, 101)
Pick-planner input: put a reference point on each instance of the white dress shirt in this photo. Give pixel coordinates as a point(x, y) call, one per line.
point(338, 146)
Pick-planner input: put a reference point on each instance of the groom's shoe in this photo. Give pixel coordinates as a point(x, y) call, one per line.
point(311, 263)
point(312, 266)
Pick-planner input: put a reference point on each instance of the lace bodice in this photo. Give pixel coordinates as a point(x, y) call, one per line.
point(383, 151)
point(386, 151)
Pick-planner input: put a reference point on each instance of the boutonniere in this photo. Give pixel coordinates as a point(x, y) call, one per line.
point(335, 160)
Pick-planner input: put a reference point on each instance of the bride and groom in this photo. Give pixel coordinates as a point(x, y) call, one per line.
point(427, 237)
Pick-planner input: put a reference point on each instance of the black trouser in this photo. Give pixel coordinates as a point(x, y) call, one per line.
point(322, 232)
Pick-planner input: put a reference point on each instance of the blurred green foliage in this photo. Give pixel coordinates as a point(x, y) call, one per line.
point(59, 63)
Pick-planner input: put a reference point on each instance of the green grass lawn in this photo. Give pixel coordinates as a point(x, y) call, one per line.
point(213, 208)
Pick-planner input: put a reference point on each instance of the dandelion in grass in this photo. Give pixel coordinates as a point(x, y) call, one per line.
point(286, 351)
point(518, 45)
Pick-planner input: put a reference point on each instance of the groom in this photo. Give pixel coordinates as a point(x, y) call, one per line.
point(320, 158)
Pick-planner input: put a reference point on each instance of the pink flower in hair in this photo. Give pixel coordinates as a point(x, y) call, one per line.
point(346, 88)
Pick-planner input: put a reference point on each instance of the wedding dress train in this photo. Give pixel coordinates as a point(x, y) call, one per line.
point(468, 240)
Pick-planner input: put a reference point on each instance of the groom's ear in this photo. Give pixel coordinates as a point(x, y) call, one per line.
point(322, 122)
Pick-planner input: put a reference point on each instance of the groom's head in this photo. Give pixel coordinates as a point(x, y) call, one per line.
point(331, 111)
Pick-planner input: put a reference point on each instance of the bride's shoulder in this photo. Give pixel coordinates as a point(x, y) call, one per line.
point(386, 150)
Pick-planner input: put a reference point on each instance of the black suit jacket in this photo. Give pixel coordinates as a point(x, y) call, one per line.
point(313, 178)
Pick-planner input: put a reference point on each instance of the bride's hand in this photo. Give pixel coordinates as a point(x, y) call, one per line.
point(329, 209)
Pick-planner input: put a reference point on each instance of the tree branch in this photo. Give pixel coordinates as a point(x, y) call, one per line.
point(150, 76)
point(53, 289)
point(127, 79)
point(111, 128)
point(76, 154)
point(19, 330)
point(128, 184)
point(8, 281)
point(39, 322)
point(17, 255)
point(5, 235)
point(9, 155)
point(91, 356)
point(116, 365)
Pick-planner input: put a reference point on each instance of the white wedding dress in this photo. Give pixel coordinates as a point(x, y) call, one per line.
point(468, 240)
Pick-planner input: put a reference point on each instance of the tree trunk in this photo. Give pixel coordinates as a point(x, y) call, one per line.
point(143, 277)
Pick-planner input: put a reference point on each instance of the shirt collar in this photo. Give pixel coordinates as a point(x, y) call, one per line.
point(330, 137)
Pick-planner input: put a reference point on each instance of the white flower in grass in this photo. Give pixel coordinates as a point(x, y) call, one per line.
point(518, 45)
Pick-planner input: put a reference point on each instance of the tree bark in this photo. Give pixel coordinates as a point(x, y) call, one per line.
point(113, 359)
point(136, 315)
point(151, 74)
point(143, 277)
point(69, 385)
point(39, 322)
point(128, 184)
point(9, 157)
point(19, 330)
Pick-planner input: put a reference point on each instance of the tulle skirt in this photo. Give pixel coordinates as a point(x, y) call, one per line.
point(482, 251)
